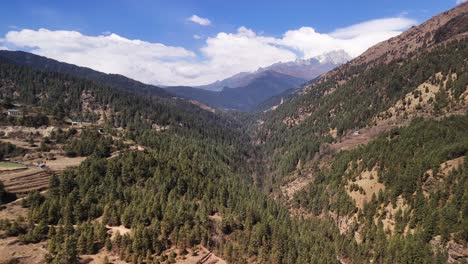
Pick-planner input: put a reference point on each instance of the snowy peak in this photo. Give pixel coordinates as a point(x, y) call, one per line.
point(334, 57)
point(305, 69)
point(308, 69)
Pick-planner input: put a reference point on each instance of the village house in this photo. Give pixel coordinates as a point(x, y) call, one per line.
point(14, 112)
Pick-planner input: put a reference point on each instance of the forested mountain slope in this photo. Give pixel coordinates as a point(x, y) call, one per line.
point(61, 96)
point(379, 145)
point(362, 95)
point(49, 65)
point(188, 184)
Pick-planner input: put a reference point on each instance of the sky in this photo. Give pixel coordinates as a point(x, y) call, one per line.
point(200, 41)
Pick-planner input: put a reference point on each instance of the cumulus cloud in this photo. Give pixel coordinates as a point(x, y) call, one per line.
point(109, 53)
point(199, 20)
point(373, 26)
point(195, 36)
point(231, 53)
point(222, 55)
point(461, 1)
point(354, 39)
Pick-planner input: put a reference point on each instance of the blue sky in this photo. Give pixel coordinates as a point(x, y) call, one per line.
point(166, 23)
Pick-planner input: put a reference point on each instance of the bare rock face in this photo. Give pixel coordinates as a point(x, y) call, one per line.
point(456, 252)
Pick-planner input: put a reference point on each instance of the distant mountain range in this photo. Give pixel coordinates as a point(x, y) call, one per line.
point(246, 98)
point(246, 91)
point(306, 69)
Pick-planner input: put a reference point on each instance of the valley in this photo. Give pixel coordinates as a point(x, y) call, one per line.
point(367, 163)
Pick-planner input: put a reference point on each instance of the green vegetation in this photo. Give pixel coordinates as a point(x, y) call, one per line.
point(30, 121)
point(201, 180)
point(403, 157)
point(166, 196)
point(10, 165)
point(8, 150)
point(354, 103)
point(67, 96)
point(89, 142)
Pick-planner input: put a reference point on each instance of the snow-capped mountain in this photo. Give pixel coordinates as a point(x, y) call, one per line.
point(306, 69)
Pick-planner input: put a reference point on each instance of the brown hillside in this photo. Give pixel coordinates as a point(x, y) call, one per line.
point(449, 25)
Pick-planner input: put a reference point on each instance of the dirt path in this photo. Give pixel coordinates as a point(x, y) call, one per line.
point(204, 256)
point(350, 140)
point(61, 163)
point(365, 135)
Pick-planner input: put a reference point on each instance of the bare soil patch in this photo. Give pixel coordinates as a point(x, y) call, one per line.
point(296, 185)
point(201, 256)
point(62, 162)
point(121, 229)
point(12, 249)
point(350, 140)
point(432, 180)
point(13, 211)
point(369, 182)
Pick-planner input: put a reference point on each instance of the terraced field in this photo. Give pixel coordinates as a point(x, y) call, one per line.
point(22, 181)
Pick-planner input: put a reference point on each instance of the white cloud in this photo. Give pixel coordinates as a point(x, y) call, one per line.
point(374, 26)
point(195, 36)
point(461, 1)
point(199, 20)
point(354, 39)
point(3, 48)
point(222, 55)
point(109, 53)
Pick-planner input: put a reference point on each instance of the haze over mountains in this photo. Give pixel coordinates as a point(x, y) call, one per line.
point(246, 91)
point(245, 98)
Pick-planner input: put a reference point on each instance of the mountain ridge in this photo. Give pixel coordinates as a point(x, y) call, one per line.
point(113, 80)
point(306, 69)
point(245, 98)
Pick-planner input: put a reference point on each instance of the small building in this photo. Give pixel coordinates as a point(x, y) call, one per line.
point(76, 123)
point(14, 112)
point(356, 132)
point(41, 165)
